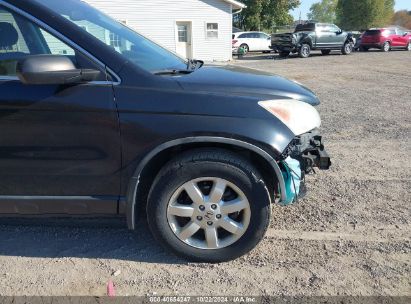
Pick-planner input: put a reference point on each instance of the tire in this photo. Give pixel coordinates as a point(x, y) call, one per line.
point(408, 48)
point(284, 54)
point(347, 48)
point(197, 167)
point(245, 47)
point(304, 51)
point(386, 47)
point(325, 52)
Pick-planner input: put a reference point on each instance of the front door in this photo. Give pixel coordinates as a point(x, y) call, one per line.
point(399, 39)
point(59, 145)
point(338, 37)
point(324, 37)
point(183, 35)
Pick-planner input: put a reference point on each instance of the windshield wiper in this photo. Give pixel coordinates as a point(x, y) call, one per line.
point(172, 72)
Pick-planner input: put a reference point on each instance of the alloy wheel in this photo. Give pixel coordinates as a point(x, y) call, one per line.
point(386, 46)
point(245, 48)
point(409, 46)
point(305, 51)
point(208, 213)
point(348, 48)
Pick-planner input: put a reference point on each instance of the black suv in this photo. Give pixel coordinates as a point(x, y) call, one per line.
point(313, 36)
point(92, 128)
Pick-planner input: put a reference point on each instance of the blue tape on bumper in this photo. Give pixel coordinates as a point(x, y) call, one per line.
point(292, 177)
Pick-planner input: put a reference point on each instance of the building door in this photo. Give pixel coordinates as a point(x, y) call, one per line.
point(184, 45)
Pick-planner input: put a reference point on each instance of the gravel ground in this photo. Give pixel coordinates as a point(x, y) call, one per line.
point(349, 236)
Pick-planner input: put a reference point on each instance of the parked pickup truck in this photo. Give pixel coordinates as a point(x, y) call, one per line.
point(313, 36)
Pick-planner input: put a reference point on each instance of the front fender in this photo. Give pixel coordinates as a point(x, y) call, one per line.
point(305, 39)
point(134, 184)
point(349, 37)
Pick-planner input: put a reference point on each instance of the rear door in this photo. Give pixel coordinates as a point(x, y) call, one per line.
point(59, 145)
point(264, 42)
point(391, 36)
point(254, 41)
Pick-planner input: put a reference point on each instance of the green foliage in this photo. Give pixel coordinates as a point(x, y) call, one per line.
point(265, 14)
point(364, 14)
point(323, 11)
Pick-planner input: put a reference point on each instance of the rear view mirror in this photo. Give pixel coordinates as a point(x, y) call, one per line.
point(52, 69)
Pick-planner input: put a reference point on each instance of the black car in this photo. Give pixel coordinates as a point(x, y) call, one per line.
point(98, 120)
point(313, 36)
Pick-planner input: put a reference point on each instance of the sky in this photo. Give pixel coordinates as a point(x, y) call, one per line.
point(306, 4)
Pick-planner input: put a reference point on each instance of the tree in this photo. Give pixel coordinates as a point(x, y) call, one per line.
point(402, 18)
point(250, 18)
point(323, 11)
point(277, 12)
point(364, 14)
point(265, 14)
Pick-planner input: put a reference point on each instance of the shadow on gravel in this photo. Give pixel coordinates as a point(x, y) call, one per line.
point(277, 57)
point(272, 56)
point(81, 238)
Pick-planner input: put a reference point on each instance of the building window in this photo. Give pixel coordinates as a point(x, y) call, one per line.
point(115, 40)
point(182, 33)
point(212, 30)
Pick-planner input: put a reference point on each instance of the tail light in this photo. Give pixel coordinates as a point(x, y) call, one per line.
point(235, 41)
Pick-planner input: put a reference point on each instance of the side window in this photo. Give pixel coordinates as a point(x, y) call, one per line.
point(56, 46)
point(243, 36)
point(20, 38)
point(334, 28)
point(212, 30)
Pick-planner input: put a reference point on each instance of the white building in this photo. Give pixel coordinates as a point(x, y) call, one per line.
point(200, 29)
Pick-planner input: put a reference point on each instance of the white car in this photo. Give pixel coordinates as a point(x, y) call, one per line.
point(252, 41)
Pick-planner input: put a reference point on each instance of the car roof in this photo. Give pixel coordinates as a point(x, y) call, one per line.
point(251, 32)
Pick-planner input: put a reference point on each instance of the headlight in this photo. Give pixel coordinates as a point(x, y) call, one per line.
point(298, 116)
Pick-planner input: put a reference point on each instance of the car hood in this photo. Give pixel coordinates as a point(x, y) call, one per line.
point(233, 80)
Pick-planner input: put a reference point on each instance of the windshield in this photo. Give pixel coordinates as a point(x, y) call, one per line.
point(136, 48)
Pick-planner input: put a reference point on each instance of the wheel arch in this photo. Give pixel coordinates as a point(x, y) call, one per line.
point(152, 163)
point(350, 38)
point(306, 39)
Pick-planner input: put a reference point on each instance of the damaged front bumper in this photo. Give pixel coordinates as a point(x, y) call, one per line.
point(309, 150)
point(304, 153)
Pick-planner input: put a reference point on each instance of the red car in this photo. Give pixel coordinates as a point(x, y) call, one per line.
point(386, 39)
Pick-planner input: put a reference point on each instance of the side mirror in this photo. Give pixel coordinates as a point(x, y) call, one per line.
point(52, 70)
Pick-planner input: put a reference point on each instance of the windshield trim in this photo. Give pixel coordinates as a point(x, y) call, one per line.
point(66, 40)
